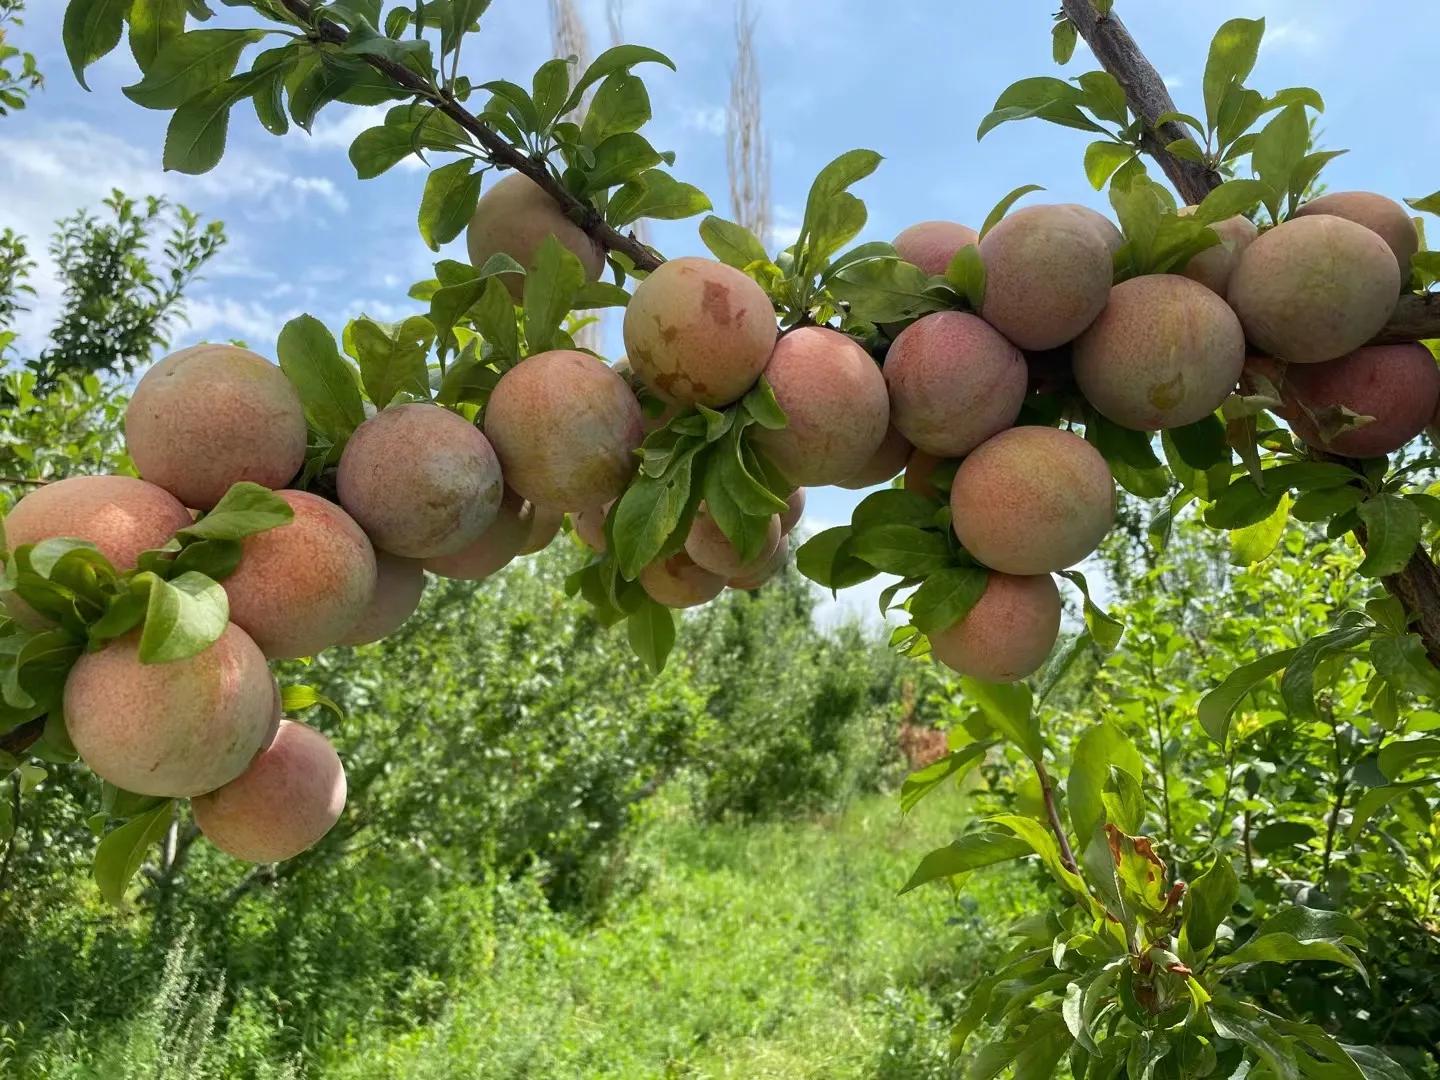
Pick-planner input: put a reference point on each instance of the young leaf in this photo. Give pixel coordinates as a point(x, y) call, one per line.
point(970, 852)
point(946, 597)
point(550, 290)
point(828, 559)
point(324, 381)
point(1002, 207)
point(244, 510)
point(1103, 748)
point(1232, 57)
point(120, 853)
point(153, 25)
point(903, 550)
point(967, 273)
point(1216, 706)
point(651, 630)
point(184, 617)
point(1008, 708)
point(1211, 897)
point(392, 359)
point(732, 244)
point(655, 194)
point(448, 202)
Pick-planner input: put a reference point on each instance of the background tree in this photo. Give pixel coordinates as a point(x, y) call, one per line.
point(16, 83)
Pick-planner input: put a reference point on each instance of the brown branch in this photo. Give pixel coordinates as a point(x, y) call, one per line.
point(497, 150)
point(1416, 318)
point(17, 740)
point(1147, 94)
point(1047, 792)
point(23, 481)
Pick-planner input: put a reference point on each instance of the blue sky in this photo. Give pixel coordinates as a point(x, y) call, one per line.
point(909, 78)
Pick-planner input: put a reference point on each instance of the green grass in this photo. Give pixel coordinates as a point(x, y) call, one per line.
point(758, 951)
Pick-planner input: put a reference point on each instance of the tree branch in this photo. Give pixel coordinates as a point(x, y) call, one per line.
point(1047, 792)
point(496, 148)
point(1147, 94)
point(17, 740)
point(1416, 317)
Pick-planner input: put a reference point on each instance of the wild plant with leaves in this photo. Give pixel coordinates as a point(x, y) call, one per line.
point(1015, 374)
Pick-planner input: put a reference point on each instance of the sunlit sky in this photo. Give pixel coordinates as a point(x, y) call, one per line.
point(909, 78)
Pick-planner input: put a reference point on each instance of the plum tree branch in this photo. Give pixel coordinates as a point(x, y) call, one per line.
point(1417, 318)
point(1047, 792)
point(497, 150)
point(17, 740)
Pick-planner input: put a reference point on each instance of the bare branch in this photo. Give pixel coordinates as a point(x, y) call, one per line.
point(497, 150)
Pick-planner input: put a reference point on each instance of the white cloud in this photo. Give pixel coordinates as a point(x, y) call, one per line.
point(1298, 34)
point(50, 172)
point(222, 318)
point(707, 119)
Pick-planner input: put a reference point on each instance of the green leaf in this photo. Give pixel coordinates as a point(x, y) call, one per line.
point(967, 273)
point(1242, 504)
point(551, 286)
point(91, 29)
point(655, 194)
point(619, 58)
point(1002, 207)
point(1209, 901)
point(827, 559)
point(549, 90)
point(195, 139)
point(1048, 98)
point(1202, 444)
point(903, 550)
point(326, 384)
point(1282, 834)
point(651, 630)
point(620, 104)
point(1393, 533)
point(1280, 948)
point(297, 698)
point(1398, 758)
point(1245, 1024)
point(885, 290)
point(1297, 687)
point(1402, 660)
point(1007, 706)
point(1062, 41)
point(120, 854)
point(732, 244)
point(970, 852)
point(1430, 204)
point(1105, 629)
point(191, 64)
point(650, 512)
point(154, 24)
point(1278, 151)
point(946, 597)
point(392, 360)
point(244, 510)
point(1217, 706)
point(956, 763)
point(833, 216)
point(1252, 543)
point(618, 159)
point(1229, 199)
point(1101, 749)
point(448, 202)
point(1102, 158)
point(1232, 57)
point(183, 618)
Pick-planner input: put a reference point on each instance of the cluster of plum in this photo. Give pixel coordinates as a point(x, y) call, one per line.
point(420, 488)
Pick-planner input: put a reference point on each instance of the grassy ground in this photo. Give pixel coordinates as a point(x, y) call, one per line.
point(769, 951)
